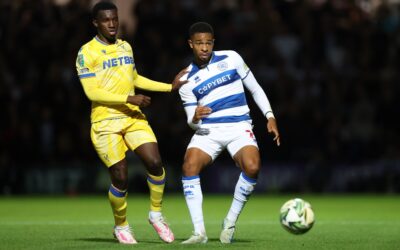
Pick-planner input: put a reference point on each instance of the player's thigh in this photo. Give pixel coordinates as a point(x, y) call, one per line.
point(150, 156)
point(195, 160)
point(108, 142)
point(244, 148)
point(139, 133)
point(208, 144)
point(248, 159)
point(149, 153)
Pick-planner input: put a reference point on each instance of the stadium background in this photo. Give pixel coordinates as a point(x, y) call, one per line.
point(330, 70)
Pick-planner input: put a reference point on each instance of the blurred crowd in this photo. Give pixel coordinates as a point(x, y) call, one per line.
point(329, 68)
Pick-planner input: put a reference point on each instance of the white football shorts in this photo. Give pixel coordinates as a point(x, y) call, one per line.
point(232, 137)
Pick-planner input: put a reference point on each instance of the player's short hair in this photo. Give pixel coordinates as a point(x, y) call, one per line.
point(102, 5)
point(200, 27)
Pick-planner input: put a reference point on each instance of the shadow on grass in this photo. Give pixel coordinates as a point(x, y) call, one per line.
point(110, 240)
point(97, 240)
point(214, 240)
point(177, 240)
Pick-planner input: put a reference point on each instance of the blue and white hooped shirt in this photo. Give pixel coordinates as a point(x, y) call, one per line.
point(220, 86)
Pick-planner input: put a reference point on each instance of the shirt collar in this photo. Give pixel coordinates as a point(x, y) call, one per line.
point(104, 43)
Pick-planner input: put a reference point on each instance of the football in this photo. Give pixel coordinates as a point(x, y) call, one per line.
point(297, 216)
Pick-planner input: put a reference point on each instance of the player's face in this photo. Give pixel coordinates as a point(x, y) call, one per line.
point(202, 45)
point(107, 23)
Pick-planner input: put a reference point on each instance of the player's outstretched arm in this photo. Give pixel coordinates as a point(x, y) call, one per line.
point(262, 102)
point(273, 129)
point(142, 82)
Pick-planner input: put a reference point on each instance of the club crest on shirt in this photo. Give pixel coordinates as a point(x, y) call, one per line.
point(222, 66)
point(197, 79)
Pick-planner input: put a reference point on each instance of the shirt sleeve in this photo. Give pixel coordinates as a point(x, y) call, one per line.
point(144, 83)
point(241, 67)
point(89, 81)
point(258, 95)
point(189, 101)
point(252, 85)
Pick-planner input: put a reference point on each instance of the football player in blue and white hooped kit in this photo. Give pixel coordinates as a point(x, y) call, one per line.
point(215, 104)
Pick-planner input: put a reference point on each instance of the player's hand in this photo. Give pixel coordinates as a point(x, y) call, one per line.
point(177, 83)
point(273, 128)
point(139, 100)
point(200, 113)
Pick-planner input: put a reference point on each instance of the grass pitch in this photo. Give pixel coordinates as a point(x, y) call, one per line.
point(342, 222)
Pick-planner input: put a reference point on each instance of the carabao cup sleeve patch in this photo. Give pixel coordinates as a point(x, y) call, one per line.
point(80, 60)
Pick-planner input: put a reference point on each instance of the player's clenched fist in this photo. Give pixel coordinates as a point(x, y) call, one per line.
point(139, 100)
point(201, 112)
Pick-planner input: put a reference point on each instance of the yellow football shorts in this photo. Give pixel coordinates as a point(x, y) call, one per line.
point(112, 138)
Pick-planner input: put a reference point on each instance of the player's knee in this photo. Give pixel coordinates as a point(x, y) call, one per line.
point(155, 163)
point(252, 168)
point(119, 176)
point(154, 166)
point(190, 168)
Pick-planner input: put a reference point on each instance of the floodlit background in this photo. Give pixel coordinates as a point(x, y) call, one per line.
point(329, 68)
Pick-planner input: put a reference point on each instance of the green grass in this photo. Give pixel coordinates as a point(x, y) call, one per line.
point(342, 222)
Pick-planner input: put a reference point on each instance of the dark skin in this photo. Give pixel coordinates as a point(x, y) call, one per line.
point(107, 25)
point(248, 157)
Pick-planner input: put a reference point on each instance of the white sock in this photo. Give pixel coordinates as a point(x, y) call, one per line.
point(194, 201)
point(154, 214)
point(244, 188)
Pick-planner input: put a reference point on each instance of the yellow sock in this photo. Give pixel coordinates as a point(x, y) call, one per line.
point(118, 204)
point(156, 185)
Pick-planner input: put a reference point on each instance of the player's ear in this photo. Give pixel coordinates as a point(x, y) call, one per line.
point(190, 43)
point(95, 23)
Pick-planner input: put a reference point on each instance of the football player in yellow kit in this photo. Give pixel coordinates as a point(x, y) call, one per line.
point(107, 72)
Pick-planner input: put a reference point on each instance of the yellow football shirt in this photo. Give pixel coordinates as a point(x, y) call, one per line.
point(108, 75)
